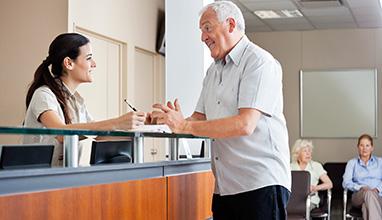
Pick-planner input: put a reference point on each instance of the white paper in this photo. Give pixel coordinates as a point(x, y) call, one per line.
point(153, 128)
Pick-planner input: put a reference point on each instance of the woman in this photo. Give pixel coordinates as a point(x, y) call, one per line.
point(302, 160)
point(363, 176)
point(52, 100)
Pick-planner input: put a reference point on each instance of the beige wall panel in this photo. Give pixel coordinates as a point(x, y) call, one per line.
point(338, 48)
point(27, 28)
point(134, 22)
point(145, 81)
point(114, 80)
point(323, 49)
point(95, 93)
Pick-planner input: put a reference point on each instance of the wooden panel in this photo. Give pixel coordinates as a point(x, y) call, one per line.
point(139, 199)
point(190, 196)
point(103, 97)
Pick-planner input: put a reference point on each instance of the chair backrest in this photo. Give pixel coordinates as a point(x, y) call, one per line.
point(335, 172)
point(300, 192)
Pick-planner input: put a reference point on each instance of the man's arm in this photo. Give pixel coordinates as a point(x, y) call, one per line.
point(197, 116)
point(242, 124)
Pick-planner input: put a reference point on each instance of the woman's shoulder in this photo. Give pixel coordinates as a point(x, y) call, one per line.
point(43, 89)
point(43, 93)
point(316, 165)
point(294, 166)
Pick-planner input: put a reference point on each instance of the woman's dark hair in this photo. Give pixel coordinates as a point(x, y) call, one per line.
point(365, 136)
point(64, 45)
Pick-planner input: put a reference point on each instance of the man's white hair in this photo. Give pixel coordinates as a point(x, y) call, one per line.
point(225, 10)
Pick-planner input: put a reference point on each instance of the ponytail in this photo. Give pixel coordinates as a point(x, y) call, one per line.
point(43, 77)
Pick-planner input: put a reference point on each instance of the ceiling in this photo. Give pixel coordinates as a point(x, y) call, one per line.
point(317, 14)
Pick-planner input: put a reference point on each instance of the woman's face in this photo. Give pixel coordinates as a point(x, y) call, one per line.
point(83, 65)
point(365, 149)
point(305, 155)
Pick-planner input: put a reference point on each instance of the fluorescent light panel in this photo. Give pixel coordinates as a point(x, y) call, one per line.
point(272, 14)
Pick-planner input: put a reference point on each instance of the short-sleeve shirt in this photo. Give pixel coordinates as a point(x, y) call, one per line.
point(316, 170)
point(43, 100)
point(249, 77)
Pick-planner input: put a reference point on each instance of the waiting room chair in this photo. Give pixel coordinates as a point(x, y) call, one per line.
point(323, 211)
point(335, 171)
point(299, 202)
point(349, 210)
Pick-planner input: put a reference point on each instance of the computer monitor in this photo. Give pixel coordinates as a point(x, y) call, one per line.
point(26, 156)
point(107, 152)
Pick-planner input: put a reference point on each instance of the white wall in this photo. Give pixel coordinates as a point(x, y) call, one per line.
point(184, 53)
point(323, 49)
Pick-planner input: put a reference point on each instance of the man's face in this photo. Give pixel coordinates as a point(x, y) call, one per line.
point(214, 34)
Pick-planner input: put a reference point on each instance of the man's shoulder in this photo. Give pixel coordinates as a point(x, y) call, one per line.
point(256, 52)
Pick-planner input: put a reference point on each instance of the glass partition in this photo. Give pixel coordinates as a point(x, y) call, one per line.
point(72, 139)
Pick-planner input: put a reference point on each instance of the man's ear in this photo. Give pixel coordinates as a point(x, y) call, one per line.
point(232, 24)
point(68, 63)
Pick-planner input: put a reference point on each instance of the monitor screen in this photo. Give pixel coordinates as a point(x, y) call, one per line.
point(105, 152)
point(26, 156)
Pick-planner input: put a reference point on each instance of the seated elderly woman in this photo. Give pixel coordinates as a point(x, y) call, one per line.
point(302, 160)
point(363, 176)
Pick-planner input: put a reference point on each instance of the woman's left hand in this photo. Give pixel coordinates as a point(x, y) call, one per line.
point(314, 188)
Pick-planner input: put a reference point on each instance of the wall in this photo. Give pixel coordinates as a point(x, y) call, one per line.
point(323, 49)
point(27, 27)
point(134, 22)
point(184, 53)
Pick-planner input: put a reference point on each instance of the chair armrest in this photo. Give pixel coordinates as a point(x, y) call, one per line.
point(329, 202)
point(307, 210)
point(345, 200)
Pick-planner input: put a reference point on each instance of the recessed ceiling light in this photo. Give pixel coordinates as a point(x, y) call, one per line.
point(267, 14)
point(292, 13)
point(273, 14)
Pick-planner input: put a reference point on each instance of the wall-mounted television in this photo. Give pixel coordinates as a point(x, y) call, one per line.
point(161, 38)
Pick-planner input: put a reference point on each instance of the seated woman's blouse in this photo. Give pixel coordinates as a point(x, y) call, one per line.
point(316, 170)
point(43, 100)
point(357, 174)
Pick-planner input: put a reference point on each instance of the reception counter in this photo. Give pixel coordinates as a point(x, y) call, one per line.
point(170, 190)
point(163, 190)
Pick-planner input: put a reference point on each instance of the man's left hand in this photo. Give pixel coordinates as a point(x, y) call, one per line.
point(170, 115)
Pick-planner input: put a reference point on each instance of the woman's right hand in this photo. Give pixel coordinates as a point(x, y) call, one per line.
point(130, 120)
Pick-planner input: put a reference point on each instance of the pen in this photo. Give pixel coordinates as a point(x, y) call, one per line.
point(134, 109)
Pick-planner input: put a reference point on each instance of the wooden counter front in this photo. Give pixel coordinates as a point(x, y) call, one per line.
point(135, 199)
point(190, 196)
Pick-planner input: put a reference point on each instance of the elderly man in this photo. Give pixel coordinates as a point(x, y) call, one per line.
point(241, 108)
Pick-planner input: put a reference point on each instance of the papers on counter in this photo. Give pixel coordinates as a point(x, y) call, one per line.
point(153, 128)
